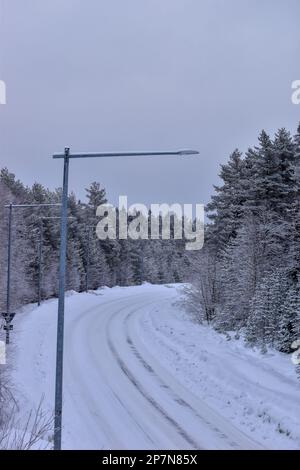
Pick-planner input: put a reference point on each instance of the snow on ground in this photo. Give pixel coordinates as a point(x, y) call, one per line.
point(138, 373)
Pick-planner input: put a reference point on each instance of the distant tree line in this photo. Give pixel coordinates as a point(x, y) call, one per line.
point(111, 262)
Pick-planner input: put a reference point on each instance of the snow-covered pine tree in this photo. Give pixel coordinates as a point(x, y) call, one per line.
point(266, 310)
point(225, 209)
point(238, 271)
point(92, 248)
point(289, 327)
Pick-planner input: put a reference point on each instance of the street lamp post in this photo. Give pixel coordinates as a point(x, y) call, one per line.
point(88, 257)
point(8, 315)
point(40, 254)
point(87, 272)
point(66, 156)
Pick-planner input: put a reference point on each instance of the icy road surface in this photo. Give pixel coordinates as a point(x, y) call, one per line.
point(138, 374)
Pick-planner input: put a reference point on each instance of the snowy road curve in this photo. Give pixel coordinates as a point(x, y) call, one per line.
point(117, 395)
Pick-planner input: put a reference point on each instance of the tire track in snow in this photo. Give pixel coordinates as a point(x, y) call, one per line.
point(216, 429)
point(117, 310)
point(163, 385)
point(151, 400)
point(71, 368)
point(113, 393)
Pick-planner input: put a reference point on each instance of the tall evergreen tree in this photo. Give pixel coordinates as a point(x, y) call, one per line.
point(225, 209)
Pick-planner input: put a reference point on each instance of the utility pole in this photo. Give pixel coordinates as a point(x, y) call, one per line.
point(88, 257)
point(87, 273)
point(40, 254)
point(61, 305)
point(8, 315)
point(66, 156)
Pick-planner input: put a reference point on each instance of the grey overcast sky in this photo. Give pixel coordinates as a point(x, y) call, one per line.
point(105, 75)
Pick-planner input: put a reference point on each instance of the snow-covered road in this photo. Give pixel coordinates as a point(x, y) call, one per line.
point(119, 392)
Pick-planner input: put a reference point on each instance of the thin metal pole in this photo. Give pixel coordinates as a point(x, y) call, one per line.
point(61, 307)
point(40, 264)
point(129, 154)
point(24, 206)
point(8, 271)
point(87, 262)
